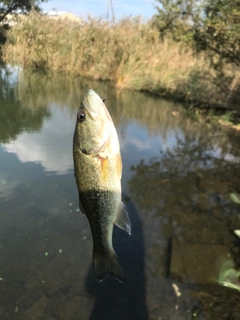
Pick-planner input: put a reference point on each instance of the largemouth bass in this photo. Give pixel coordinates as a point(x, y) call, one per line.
point(98, 170)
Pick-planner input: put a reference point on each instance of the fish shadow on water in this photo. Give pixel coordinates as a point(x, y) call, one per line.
point(115, 300)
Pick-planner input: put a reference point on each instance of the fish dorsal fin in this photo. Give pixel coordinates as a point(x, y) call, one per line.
point(122, 220)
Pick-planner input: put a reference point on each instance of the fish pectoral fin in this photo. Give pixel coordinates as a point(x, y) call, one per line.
point(122, 220)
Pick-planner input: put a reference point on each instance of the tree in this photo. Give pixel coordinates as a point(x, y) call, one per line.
point(212, 26)
point(14, 6)
point(15, 117)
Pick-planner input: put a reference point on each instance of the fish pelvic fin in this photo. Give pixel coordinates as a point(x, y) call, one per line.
point(122, 220)
point(81, 206)
point(107, 264)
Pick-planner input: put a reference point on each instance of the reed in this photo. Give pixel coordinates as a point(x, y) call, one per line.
point(128, 53)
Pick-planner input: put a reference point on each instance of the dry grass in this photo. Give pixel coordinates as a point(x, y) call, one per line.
point(128, 53)
point(122, 53)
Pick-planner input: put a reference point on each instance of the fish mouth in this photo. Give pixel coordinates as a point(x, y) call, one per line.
point(99, 133)
point(92, 103)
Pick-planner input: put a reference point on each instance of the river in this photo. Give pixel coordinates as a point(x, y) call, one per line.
point(181, 186)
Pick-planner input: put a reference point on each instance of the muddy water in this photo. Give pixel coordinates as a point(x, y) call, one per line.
point(181, 185)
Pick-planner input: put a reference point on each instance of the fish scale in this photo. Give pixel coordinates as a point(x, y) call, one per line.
point(98, 171)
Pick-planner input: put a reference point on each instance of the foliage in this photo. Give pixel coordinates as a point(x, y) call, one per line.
point(129, 53)
point(14, 6)
point(14, 116)
point(212, 26)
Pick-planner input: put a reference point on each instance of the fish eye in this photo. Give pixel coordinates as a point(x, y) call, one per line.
point(104, 99)
point(81, 116)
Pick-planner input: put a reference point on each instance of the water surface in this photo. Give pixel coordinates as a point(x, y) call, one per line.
point(179, 177)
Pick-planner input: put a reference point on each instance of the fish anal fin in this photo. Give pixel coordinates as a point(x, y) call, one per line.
point(122, 220)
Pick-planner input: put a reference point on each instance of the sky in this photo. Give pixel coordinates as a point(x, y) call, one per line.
point(99, 8)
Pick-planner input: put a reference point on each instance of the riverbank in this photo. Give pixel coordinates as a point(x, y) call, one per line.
point(129, 53)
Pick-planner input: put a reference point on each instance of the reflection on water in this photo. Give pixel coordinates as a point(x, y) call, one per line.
point(182, 261)
point(38, 146)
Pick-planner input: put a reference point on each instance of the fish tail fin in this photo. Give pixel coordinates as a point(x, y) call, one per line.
point(107, 264)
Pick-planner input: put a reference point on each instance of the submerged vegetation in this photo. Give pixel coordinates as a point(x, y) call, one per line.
point(130, 53)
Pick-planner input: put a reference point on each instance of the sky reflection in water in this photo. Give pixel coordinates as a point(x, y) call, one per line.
point(177, 177)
